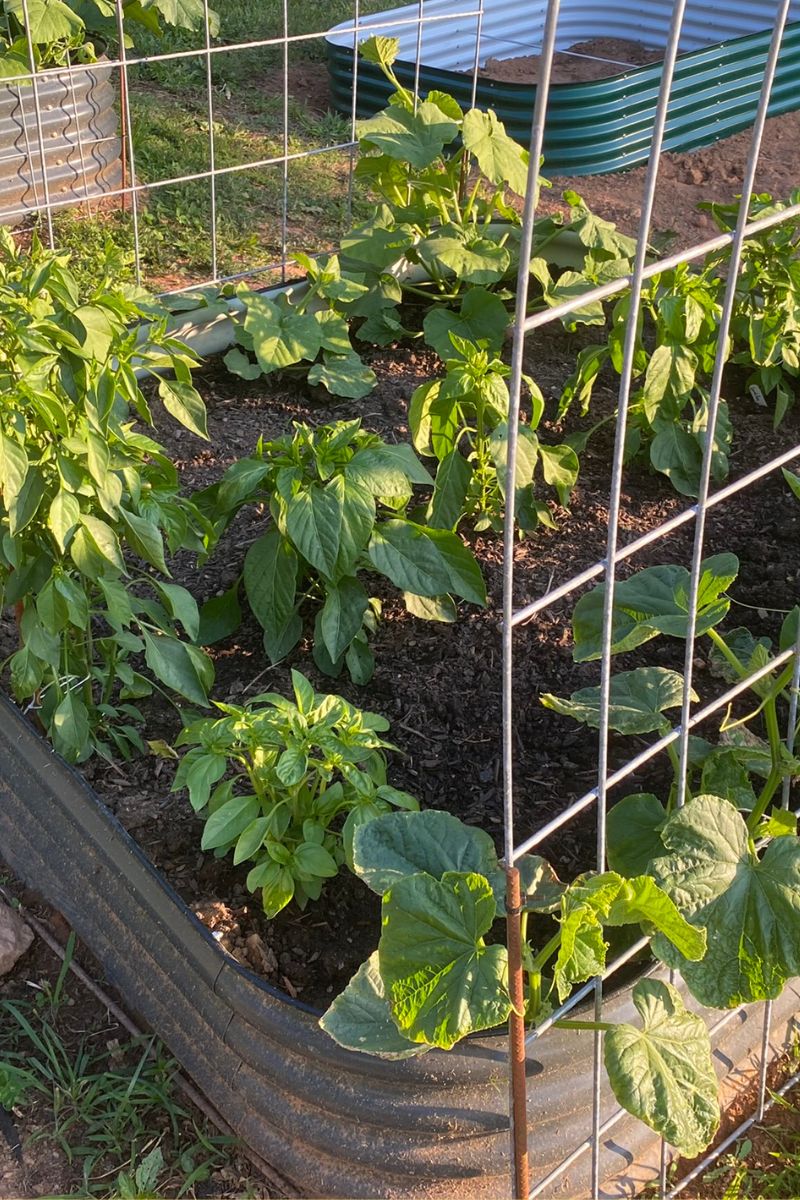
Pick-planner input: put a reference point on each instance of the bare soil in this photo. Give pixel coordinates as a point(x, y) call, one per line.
point(597, 58)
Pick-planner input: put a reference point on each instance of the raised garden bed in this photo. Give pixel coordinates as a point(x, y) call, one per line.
point(594, 125)
point(333, 1121)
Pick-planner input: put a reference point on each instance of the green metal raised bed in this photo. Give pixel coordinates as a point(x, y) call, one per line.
point(592, 127)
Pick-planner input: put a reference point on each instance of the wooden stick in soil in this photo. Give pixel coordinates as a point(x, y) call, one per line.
point(516, 1036)
point(281, 1186)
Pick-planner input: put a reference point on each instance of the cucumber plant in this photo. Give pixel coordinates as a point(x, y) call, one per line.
point(90, 506)
point(744, 767)
point(434, 978)
point(336, 498)
point(300, 777)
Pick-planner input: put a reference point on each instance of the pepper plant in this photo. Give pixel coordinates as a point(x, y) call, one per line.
point(765, 327)
point(305, 324)
point(301, 776)
point(336, 498)
point(744, 767)
point(90, 506)
point(434, 978)
point(462, 420)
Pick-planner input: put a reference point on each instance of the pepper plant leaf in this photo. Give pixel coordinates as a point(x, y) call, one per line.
point(663, 1072)
point(653, 601)
point(637, 703)
point(360, 1017)
point(443, 981)
point(750, 908)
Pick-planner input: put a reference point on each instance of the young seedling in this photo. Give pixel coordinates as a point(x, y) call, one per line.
point(300, 777)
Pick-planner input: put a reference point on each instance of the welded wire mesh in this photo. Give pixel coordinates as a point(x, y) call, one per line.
point(607, 568)
point(140, 186)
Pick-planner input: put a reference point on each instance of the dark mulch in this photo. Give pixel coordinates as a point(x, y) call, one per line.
point(440, 685)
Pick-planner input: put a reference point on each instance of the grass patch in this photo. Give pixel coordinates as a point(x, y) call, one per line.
point(110, 1107)
point(169, 116)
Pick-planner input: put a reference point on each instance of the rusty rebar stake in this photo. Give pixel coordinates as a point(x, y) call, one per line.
point(516, 1036)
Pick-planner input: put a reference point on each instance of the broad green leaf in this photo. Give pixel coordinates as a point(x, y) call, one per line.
point(379, 472)
point(48, 20)
point(69, 728)
point(431, 608)
point(560, 469)
point(452, 484)
point(241, 483)
point(726, 773)
point(342, 615)
point(676, 454)
point(653, 601)
point(669, 380)
point(281, 336)
point(403, 455)
point(270, 580)
point(358, 521)
point(144, 538)
point(380, 50)
point(292, 766)
point(581, 951)
point(414, 138)
point(463, 571)
point(13, 468)
point(23, 507)
point(239, 364)
point(750, 909)
point(527, 455)
point(360, 661)
point(637, 702)
point(442, 980)
point(277, 886)
point(220, 616)
point(63, 517)
point(95, 548)
point(405, 554)
point(663, 1073)
point(185, 404)
point(344, 375)
point(398, 844)
point(475, 261)
point(482, 315)
point(180, 604)
point(96, 333)
point(360, 1017)
point(634, 833)
point(641, 901)
point(183, 668)
point(312, 861)
point(225, 825)
point(314, 520)
point(499, 157)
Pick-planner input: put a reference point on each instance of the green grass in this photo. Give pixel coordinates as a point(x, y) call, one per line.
point(171, 138)
point(110, 1107)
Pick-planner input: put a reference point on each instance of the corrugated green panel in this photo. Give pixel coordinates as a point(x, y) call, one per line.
point(603, 126)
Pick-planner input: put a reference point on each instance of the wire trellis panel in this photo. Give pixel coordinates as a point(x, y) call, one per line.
point(134, 190)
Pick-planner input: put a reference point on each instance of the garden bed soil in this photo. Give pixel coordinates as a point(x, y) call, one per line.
point(597, 58)
point(439, 685)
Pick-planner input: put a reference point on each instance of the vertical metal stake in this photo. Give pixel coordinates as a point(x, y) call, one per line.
point(516, 1036)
